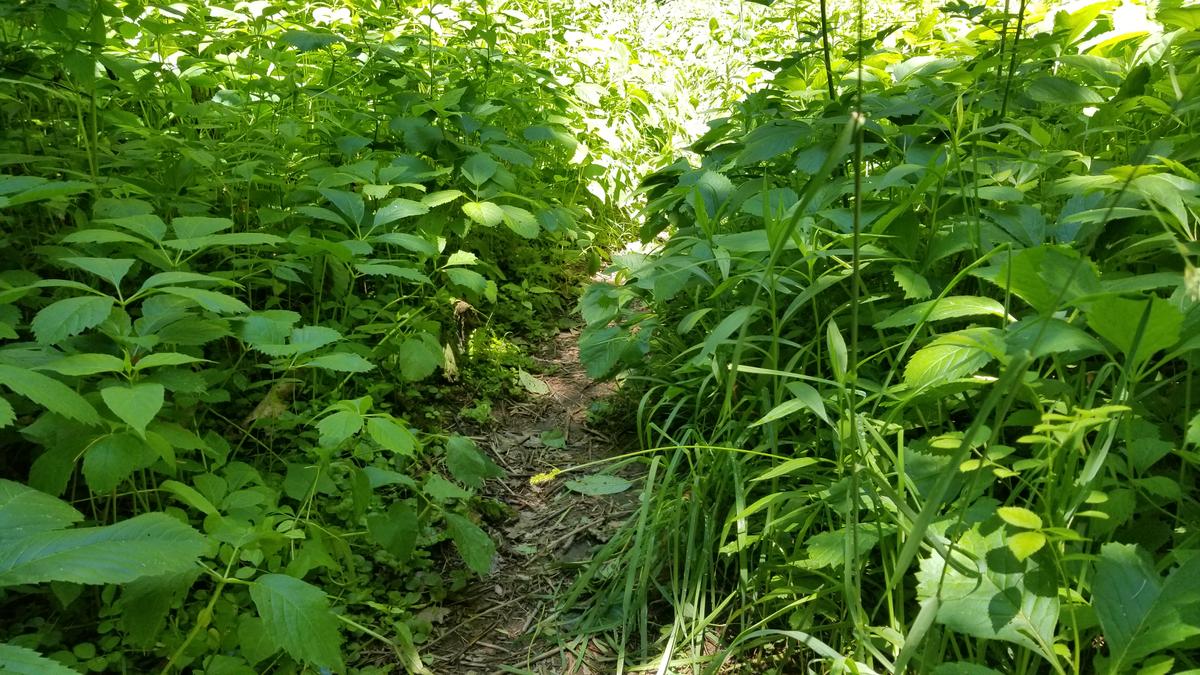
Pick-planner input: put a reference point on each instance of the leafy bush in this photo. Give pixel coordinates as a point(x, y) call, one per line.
point(917, 357)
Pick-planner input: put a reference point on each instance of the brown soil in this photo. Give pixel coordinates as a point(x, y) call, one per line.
point(506, 623)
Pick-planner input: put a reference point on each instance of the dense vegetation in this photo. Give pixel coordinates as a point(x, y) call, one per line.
point(909, 336)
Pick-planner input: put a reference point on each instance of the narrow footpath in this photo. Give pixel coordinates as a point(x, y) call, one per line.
point(506, 622)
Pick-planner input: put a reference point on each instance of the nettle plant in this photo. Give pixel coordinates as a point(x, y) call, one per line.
point(918, 361)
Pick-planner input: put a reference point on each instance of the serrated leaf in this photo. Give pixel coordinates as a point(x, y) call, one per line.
point(392, 435)
point(342, 362)
point(487, 214)
point(470, 466)
point(440, 197)
point(598, 484)
point(1061, 91)
point(479, 168)
point(473, 544)
point(297, 618)
point(396, 530)
point(65, 318)
point(439, 489)
point(136, 404)
point(195, 227)
point(988, 593)
point(79, 365)
point(145, 545)
point(914, 285)
point(953, 307)
point(1139, 612)
point(7, 414)
point(112, 270)
point(162, 359)
point(16, 660)
point(1138, 328)
point(350, 204)
point(398, 209)
point(418, 357)
point(1019, 517)
point(25, 511)
point(114, 458)
point(1043, 335)
point(48, 393)
point(771, 140)
point(210, 300)
point(469, 279)
point(407, 241)
point(521, 221)
point(952, 356)
point(461, 258)
point(338, 427)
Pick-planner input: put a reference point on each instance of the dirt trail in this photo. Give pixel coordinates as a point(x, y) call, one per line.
point(503, 624)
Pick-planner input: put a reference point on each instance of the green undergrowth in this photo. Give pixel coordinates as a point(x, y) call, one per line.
point(916, 346)
point(258, 258)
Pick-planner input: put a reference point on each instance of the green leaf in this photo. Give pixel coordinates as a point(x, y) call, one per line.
point(114, 458)
point(479, 168)
point(393, 436)
point(469, 279)
point(136, 404)
point(521, 221)
point(25, 511)
point(343, 362)
point(1046, 277)
point(441, 490)
point(487, 214)
point(210, 300)
point(1019, 517)
point(532, 384)
point(470, 466)
point(951, 307)
point(1025, 544)
point(48, 393)
point(396, 531)
point(989, 593)
point(598, 484)
point(1061, 91)
point(1120, 321)
point(196, 227)
point(142, 546)
point(1044, 335)
point(806, 398)
point(913, 284)
point(418, 357)
point(162, 359)
point(398, 209)
point(16, 660)
point(62, 319)
point(1139, 612)
point(350, 204)
point(771, 140)
point(112, 270)
point(297, 618)
point(952, 356)
point(79, 365)
point(440, 197)
point(473, 544)
point(7, 414)
point(786, 468)
point(407, 241)
point(603, 349)
point(461, 258)
point(337, 428)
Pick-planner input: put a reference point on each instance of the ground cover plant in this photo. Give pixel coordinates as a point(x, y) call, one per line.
point(910, 328)
point(917, 354)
